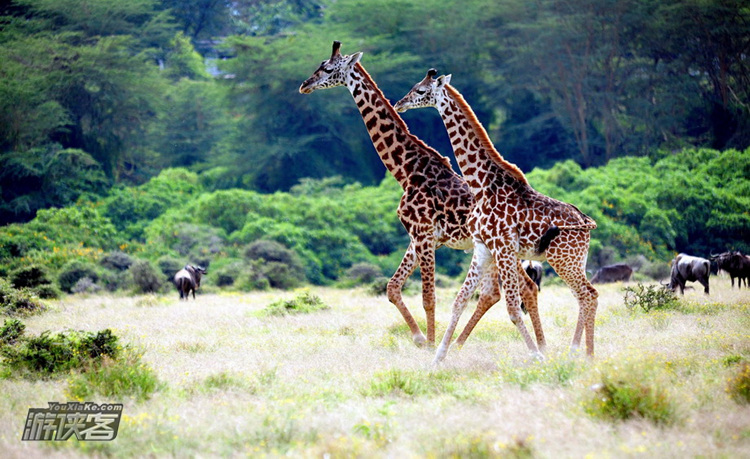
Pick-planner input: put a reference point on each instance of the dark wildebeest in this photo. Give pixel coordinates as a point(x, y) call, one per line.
point(687, 268)
point(535, 271)
point(612, 273)
point(736, 264)
point(187, 279)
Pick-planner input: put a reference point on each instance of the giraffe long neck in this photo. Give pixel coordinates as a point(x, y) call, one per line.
point(397, 147)
point(480, 162)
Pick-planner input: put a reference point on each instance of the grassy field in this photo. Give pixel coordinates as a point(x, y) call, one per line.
point(347, 381)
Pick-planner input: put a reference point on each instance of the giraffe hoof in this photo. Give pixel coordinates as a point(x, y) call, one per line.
point(420, 340)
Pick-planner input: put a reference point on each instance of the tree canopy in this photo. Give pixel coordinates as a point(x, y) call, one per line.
point(103, 95)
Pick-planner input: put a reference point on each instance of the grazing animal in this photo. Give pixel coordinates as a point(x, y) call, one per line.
point(612, 273)
point(686, 268)
point(736, 264)
point(513, 220)
point(535, 270)
point(188, 279)
point(436, 205)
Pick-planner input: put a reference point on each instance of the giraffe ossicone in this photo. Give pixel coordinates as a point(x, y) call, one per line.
point(436, 205)
point(513, 220)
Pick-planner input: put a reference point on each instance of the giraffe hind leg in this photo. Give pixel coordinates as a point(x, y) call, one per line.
point(567, 256)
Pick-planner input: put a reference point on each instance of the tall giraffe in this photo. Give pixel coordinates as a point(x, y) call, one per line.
point(513, 220)
point(436, 202)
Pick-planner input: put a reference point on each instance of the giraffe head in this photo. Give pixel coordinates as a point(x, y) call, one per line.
point(427, 93)
point(332, 72)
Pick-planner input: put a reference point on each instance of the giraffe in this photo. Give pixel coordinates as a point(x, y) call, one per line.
point(436, 202)
point(512, 219)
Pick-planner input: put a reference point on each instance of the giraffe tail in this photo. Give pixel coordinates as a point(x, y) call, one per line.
point(546, 239)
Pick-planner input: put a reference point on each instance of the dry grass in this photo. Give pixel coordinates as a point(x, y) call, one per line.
point(346, 381)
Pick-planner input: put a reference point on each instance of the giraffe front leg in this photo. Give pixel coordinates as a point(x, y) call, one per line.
point(507, 266)
point(425, 250)
point(395, 285)
point(490, 294)
point(480, 262)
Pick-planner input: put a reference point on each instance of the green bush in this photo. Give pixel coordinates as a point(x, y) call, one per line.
point(17, 302)
point(249, 279)
point(46, 291)
point(115, 378)
point(738, 385)
point(146, 278)
point(624, 392)
point(281, 266)
point(75, 270)
point(86, 285)
point(49, 354)
point(116, 261)
point(29, 276)
point(169, 266)
point(363, 273)
point(650, 297)
point(301, 304)
point(11, 331)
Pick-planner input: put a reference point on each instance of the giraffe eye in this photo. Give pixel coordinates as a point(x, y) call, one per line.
point(421, 92)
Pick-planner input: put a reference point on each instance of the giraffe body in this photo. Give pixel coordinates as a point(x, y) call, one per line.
point(510, 220)
point(436, 204)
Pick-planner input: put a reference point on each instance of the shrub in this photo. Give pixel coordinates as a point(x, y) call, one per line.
point(227, 272)
point(29, 276)
point(116, 261)
point(281, 266)
point(169, 266)
point(650, 297)
point(250, 279)
point(626, 392)
point(46, 291)
point(17, 302)
point(301, 304)
point(738, 386)
point(281, 276)
point(146, 278)
point(10, 332)
point(49, 354)
point(271, 251)
point(75, 270)
point(125, 376)
point(363, 273)
point(85, 285)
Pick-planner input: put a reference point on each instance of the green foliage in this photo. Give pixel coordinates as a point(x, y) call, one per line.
point(281, 266)
point(77, 226)
point(11, 331)
point(631, 391)
point(303, 303)
point(146, 278)
point(738, 386)
point(18, 302)
point(116, 261)
point(410, 383)
point(32, 275)
point(49, 354)
point(650, 297)
point(124, 376)
point(75, 270)
point(362, 273)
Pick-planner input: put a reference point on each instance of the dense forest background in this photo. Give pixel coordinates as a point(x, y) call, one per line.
point(163, 128)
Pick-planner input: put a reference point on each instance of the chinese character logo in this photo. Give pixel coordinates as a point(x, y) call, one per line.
point(86, 420)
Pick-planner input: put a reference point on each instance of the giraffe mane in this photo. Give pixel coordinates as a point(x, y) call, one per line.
point(484, 138)
point(398, 120)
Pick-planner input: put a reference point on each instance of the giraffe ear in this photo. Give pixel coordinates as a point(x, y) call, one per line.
point(354, 58)
point(443, 80)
